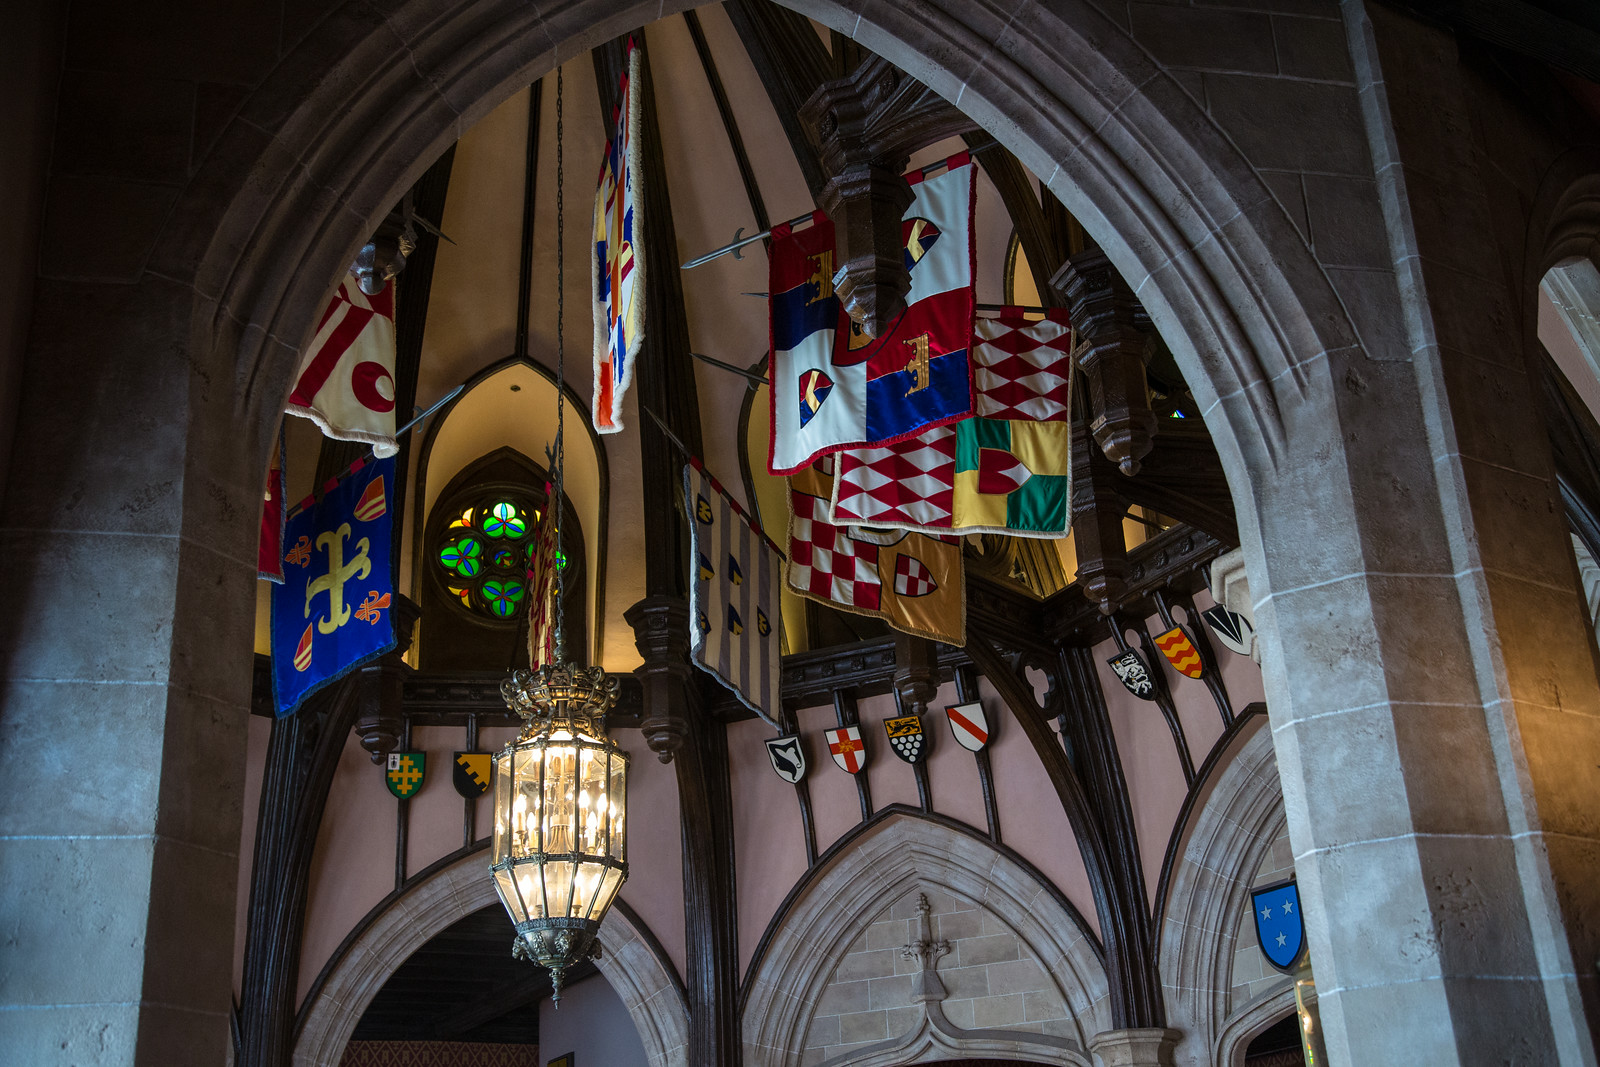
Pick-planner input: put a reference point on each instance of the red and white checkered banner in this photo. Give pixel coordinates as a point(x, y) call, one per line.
point(912, 581)
point(346, 381)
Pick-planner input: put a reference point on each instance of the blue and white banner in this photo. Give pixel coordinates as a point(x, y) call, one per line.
point(332, 611)
point(835, 388)
point(736, 626)
point(619, 260)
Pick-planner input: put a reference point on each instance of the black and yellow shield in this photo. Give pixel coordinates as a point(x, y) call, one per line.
point(406, 772)
point(471, 773)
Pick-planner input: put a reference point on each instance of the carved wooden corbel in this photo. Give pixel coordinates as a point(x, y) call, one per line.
point(661, 633)
point(1097, 511)
point(380, 692)
point(1111, 356)
point(865, 126)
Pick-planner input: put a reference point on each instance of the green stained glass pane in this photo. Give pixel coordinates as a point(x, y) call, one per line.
point(503, 559)
point(502, 596)
point(464, 557)
point(503, 520)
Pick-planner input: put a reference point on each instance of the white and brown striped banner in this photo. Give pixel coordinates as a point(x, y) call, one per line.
point(735, 616)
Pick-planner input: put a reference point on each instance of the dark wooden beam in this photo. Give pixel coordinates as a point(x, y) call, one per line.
point(730, 123)
point(865, 125)
point(1136, 999)
point(1182, 478)
point(302, 755)
point(792, 63)
point(664, 381)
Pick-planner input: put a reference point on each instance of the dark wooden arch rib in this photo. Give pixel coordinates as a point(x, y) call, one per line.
point(1101, 825)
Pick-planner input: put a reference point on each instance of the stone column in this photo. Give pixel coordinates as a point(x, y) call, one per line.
point(1142, 1047)
point(129, 578)
point(1433, 701)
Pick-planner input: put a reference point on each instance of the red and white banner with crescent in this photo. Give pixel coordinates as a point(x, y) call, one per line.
point(346, 381)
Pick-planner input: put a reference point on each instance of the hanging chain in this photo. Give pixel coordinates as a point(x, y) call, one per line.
point(558, 506)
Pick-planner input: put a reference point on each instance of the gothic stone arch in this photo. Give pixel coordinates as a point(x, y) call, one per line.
point(641, 978)
point(895, 859)
point(1209, 896)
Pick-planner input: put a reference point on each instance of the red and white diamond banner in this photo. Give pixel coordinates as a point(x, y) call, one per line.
point(1021, 369)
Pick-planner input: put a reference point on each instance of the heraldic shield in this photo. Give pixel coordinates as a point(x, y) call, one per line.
point(847, 748)
point(406, 772)
point(471, 773)
point(788, 757)
point(1131, 672)
point(1278, 925)
point(906, 737)
point(969, 725)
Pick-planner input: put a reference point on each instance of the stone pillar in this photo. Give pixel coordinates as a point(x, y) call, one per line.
point(1434, 704)
point(1142, 1047)
point(126, 628)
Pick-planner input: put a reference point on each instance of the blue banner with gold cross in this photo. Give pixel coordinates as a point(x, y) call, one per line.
point(332, 611)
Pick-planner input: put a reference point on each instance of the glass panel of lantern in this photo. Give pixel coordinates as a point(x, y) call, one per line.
point(562, 854)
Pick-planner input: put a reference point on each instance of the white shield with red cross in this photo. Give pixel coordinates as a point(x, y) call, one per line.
point(847, 748)
point(969, 724)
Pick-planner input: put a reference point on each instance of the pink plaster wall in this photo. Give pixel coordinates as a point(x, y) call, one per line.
point(952, 770)
point(1150, 762)
point(1032, 822)
point(768, 834)
point(654, 889)
point(835, 810)
point(258, 731)
point(437, 811)
point(353, 865)
point(1239, 673)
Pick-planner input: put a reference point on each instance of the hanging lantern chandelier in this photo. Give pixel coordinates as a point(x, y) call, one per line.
point(561, 788)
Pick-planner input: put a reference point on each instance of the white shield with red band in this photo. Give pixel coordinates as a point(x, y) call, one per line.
point(969, 725)
point(847, 748)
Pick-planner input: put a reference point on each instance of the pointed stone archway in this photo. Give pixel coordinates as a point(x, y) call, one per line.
point(1328, 429)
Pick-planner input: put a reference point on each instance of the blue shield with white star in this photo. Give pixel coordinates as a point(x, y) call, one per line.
point(1278, 925)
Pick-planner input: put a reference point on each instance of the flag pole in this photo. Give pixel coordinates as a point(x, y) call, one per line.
point(437, 404)
point(739, 242)
point(752, 375)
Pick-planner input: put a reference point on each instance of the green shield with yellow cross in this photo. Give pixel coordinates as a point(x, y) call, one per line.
point(406, 772)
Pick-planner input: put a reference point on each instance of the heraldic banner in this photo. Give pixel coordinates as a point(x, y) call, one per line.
point(832, 386)
point(1006, 470)
point(734, 600)
point(618, 257)
point(912, 581)
point(542, 587)
point(346, 380)
point(332, 611)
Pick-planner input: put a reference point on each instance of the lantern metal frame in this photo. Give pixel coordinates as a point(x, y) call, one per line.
point(563, 707)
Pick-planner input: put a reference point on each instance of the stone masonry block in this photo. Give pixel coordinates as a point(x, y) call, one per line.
point(1017, 976)
point(63, 909)
point(1347, 227)
point(213, 42)
point(994, 949)
point(124, 126)
point(101, 229)
point(1205, 40)
point(1291, 125)
point(862, 1026)
point(1312, 48)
